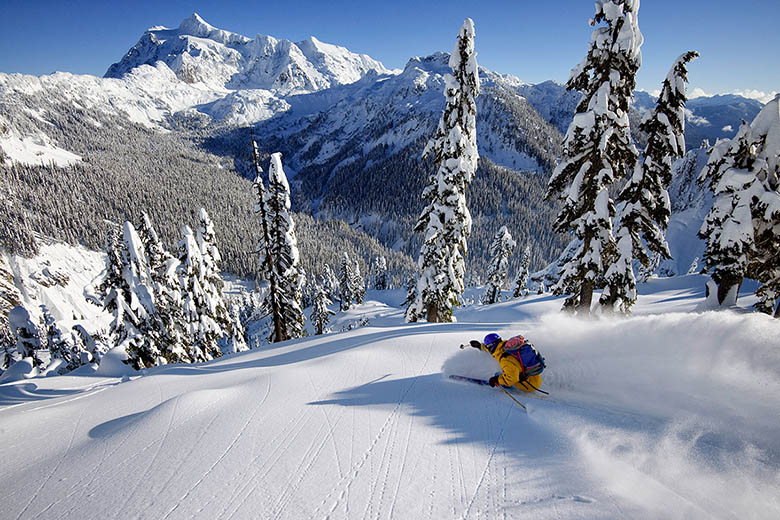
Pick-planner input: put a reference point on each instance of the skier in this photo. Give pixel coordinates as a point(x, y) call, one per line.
point(506, 353)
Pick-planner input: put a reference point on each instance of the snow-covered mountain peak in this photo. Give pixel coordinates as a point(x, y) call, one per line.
point(197, 26)
point(198, 52)
point(437, 62)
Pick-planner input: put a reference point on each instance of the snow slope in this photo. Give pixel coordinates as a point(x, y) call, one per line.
point(669, 414)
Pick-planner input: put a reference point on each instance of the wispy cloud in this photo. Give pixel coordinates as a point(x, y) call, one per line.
point(697, 92)
point(758, 95)
point(764, 97)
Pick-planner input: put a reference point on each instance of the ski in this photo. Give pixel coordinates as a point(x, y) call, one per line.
point(482, 382)
point(470, 380)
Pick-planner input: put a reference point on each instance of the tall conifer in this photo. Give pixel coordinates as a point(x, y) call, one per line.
point(644, 207)
point(501, 248)
point(446, 221)
point(597, 148)
point(282, 247)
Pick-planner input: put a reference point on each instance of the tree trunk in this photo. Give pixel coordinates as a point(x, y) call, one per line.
point(586, 297)
point(608, 303)
point(725, 285)
point(432, 313)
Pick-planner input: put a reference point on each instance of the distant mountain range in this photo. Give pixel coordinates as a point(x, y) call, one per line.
point(351, 131)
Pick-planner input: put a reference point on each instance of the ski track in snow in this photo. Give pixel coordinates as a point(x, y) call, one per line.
point(221, 456)
point(56, 466)
point(485, 471)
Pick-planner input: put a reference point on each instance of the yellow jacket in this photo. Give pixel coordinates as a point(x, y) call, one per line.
point(513, 371)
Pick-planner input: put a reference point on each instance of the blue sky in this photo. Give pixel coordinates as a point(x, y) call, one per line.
point(534, 40)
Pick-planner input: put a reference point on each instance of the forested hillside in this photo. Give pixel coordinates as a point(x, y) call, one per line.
point(126, 170)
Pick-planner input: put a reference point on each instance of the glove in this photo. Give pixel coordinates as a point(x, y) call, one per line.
point(476, 344)
point(493, 381)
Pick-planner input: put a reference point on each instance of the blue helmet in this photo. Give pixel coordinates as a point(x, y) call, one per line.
point(491, 341)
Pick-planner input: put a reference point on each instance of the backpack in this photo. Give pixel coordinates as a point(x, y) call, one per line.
point(531, 362)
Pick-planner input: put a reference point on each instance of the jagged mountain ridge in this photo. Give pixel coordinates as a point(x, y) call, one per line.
point(706, 117)
point(200, 53)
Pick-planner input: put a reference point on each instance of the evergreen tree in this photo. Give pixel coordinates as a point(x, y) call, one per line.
point(169, 324)
point(272, 301)
point(283, 249)
point(644, 202)
point(7, 347)
point(346, 282)
point(202, 330)
point(307, 297)
point(742, 229)
point(58, 346)
point(358, 284)
point(500, 249)
point(521, 280)
point(646, 271)
point(9, 298)
point(224, 325)
point(764, 264)
point(380, 273)
point(90, 345)
point(28, 341)
point(143, 347)
point(446, 221)
point(321, 313)
point(597, 149)
point(330, 282)
point(125, 292)
point(413, 313)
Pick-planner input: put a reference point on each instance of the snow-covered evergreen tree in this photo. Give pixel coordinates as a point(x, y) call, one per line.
point(742, 229)
point(203, 331)
point(9, 298)
point(501, 248)
point(169, 323)
point(520, 286)
point(271, 303)
point(95, 351)
point(228, 331)
point(7, 347)
point(413, 312)
point(282, 247)
point(28, 341)
point(112, 290)
point(330, 282)
point(644, 207)
point(358, 284)
point(646, 271)
point(126, 292)
point(764, 264)
point(59, 348)
point(143, 347)
point(597, 148)
point(321, 313)
point(170, 320)
point(446, 221)
point(380, 273)
point(346, 282)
